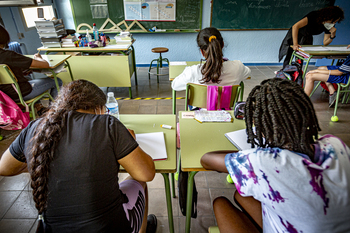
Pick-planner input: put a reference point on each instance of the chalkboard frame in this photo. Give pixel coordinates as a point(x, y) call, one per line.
point(330, 3)
point(168, 30)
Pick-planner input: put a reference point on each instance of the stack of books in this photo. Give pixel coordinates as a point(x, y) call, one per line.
point(68, 41)
point(123, 37)
point(51, 32)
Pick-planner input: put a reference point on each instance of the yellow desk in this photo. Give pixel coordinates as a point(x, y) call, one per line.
point(104, 71)
point(196, 140)
point(55, 61)
point(308, 52)
point(151, 123)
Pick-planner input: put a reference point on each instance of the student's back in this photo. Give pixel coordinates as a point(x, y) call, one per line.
point(216, 70)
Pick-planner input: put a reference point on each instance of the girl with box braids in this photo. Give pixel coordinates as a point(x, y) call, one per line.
point(79, 94)
point(283, 115)
point(210, 42)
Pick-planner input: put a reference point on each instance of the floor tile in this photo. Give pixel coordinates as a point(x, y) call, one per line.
point(198, 225)
point(18, 182)
point(147, 109)
point(23, 207)
point(157, 203)
point(217, 180)
point(16, 225)
point(163, 224)
point(6, 201)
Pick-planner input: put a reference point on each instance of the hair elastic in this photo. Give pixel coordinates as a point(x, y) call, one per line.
point(212, 37)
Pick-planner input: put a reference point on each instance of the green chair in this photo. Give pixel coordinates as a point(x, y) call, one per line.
point(213, 229)
point(159, 61)
point(342, 88)
point(196, 95)
point(7, 77)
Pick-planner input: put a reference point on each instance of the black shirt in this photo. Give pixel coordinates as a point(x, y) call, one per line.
point(313, 27)
point(84, 193)
point(17, 63)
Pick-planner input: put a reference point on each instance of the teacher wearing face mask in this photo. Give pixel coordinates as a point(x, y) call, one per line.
point(314, 23)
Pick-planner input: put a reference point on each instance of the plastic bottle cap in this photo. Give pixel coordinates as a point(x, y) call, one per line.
point(110, 94)
point(94, 24)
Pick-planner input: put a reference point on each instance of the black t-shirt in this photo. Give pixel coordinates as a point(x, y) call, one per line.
point(17, 63)
point(84, 194)
point(313, 27)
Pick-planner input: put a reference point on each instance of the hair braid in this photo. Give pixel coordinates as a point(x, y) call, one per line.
point(79, 94)
point(282, 114)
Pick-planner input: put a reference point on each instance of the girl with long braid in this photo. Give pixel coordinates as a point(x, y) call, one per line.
point(73, 154)
point(217, 70)
point(291, 181)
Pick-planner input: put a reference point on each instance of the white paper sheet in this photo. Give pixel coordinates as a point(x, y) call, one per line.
point(118, 46)
point(153, 144)
point(325, 48)
point(178, 63)
point(239, 139)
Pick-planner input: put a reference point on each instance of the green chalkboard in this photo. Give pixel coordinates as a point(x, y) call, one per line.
point(188, 14)
point(261, 14)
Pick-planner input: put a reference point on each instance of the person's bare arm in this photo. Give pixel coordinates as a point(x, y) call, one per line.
point(39, 62)
point(138, 164)
point(327, 37)
point(215, 160)
point(10, 166)
point(295, 32)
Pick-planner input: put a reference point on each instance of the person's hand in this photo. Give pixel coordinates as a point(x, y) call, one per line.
point(296, 47)
point(132, 133)
point(348, 46)
point(333, 31)
point(37, 55)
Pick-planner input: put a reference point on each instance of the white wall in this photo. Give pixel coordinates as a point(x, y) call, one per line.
point(251, 47)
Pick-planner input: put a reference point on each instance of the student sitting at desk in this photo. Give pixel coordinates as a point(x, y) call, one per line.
point(329, 75)
point(216, 70)
point(18, 64)
point(291, 182)
point(73, 155)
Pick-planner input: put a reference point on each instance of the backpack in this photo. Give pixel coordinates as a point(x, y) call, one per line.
point(292, 72)
point(182, 184)
point(11, 116)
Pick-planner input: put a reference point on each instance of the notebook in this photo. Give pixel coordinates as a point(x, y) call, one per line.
point(153, 144)
point(239, 139)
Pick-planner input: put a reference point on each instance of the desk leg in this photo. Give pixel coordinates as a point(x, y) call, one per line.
point(174, 102)
point(56, 81)
point(130, 93)
point(134, 63)
point(189, 200)
point(70, 71)
point(172, 184)
point(168, 201)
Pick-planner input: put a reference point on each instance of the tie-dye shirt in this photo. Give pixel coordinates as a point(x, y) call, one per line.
point(297, 195)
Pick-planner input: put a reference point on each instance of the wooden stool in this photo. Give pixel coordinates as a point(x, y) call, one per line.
point(159, 60)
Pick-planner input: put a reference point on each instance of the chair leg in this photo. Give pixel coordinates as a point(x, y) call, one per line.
point(150, 67)
point(334, 117)
point(158, 71)
point(160, 60)
point(315, 89)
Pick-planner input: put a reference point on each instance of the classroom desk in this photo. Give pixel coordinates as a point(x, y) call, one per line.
point(151, 123)
point(196, 140)
point(174, 71)
point(54, 61)
point(104, 71)
point(306, 55)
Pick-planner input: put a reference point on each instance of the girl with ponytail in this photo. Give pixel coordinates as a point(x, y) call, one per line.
point(216, 70)
point(73, 154)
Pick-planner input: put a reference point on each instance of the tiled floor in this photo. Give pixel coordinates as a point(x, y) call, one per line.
point(17, 212)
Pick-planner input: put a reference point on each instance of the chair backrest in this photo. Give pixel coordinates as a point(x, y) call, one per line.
point(7, 77)
point(15, 46)
point(196, 95)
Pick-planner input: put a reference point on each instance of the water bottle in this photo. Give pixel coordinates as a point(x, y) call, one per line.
point(112, 105)
point(95, 32)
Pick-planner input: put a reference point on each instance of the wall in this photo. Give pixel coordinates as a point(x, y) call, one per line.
point(251, 47)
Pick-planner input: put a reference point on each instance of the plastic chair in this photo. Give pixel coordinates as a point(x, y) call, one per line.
point(213, 229)
point(7, 77)
point(200, 98)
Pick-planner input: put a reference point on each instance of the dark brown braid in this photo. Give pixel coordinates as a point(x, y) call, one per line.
point(79, 94)
point(282, 114)
point(211, 69)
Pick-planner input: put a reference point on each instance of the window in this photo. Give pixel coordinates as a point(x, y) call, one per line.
point(31, 14)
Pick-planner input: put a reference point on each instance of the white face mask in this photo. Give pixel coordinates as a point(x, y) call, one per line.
point(328, 26)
